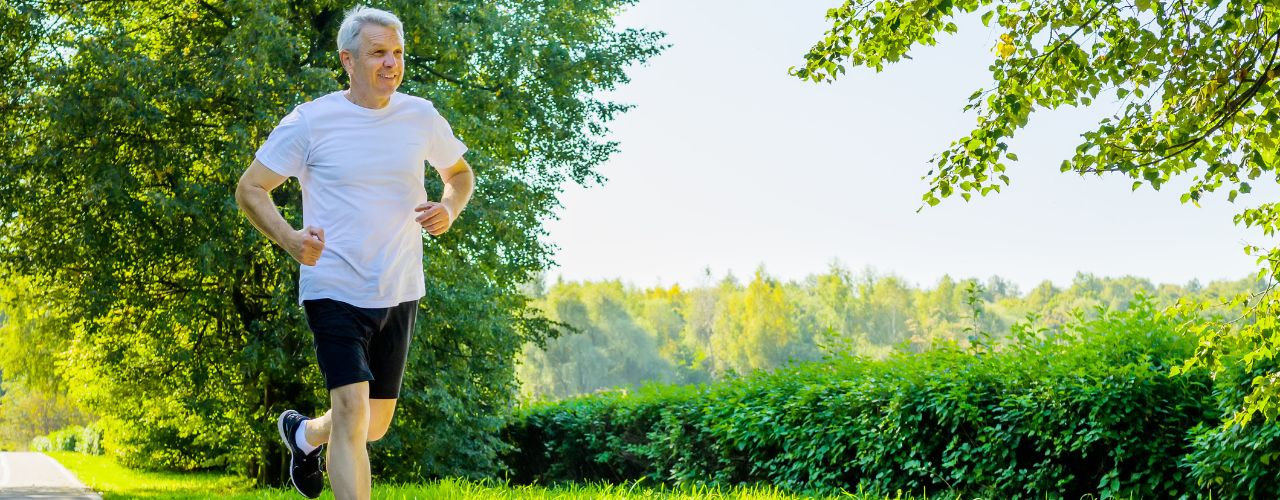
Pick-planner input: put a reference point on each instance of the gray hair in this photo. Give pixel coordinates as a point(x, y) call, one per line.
point(357, 17)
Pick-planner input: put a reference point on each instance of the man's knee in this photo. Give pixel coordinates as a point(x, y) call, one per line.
point(350, 404)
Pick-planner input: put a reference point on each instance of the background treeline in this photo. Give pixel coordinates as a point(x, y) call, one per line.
point(622, 336)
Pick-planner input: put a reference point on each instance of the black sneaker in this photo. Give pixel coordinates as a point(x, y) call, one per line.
point(304, 469)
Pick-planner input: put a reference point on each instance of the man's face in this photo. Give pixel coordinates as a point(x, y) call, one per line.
point(377, 67)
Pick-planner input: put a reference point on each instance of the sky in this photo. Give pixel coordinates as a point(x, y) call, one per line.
point(728, 164)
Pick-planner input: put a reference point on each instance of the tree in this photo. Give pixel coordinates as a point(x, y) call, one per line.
point(608, 348)
point(1197, 86)
point(127, 124)
point(755, 328)
point(662, 311)
point(888, 305)
point(835, 312)
point(33, 396)
point(699, 311)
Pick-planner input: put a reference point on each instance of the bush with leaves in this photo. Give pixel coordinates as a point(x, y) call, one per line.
point(1240, 459)
point(85, 439)
point(1086, 410)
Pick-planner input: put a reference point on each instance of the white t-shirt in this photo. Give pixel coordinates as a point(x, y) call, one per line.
point(362, 174)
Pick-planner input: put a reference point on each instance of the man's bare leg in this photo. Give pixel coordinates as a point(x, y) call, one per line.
point(319, 430)
point(349, 465)
point(380, 413)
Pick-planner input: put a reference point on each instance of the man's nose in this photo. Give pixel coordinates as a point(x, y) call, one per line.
point(389, 61)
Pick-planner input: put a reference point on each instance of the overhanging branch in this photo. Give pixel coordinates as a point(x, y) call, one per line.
point(426, 64)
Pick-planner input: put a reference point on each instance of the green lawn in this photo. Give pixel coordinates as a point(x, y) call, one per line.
point(116, 482)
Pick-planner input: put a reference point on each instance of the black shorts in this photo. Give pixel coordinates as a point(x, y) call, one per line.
point(358, 344)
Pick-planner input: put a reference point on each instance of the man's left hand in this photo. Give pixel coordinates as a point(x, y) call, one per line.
point(435, 217)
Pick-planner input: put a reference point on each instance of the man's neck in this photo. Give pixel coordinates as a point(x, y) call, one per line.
point(366, 101)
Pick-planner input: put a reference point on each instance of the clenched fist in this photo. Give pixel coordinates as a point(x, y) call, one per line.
point(434, 217)
point(306, 245)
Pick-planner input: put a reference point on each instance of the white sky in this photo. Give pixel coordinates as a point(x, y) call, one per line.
point(729, 163)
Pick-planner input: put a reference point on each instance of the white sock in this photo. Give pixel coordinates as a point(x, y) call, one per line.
point(300, 438)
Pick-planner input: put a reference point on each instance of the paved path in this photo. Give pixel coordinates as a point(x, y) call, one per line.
point(35, 475)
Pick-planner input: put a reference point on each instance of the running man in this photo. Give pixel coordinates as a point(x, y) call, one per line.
point(359, 156)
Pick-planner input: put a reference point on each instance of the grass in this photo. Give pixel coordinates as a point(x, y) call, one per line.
point(116, 482)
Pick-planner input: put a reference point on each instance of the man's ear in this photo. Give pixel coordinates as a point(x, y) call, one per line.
point(344, 57)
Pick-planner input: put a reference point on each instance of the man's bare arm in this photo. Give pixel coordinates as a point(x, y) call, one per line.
point(253, 195)
point(459, 183)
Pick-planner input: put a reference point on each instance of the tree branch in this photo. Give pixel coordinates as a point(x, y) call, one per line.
point(218, 13)
point(1233, 107)
point(426, 64)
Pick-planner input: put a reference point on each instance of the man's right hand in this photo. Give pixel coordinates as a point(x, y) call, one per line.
point(307, 245)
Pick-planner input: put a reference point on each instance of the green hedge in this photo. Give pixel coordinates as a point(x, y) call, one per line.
point(80, 439)
point(1238, 462)
point(1088, 410)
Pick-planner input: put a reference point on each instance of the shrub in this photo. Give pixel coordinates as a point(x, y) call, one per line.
point(1241, 462)
point(1238, 462)
point(81, 439)
point(41, 443)
point(89, 440)
point(1086, 410)
point(65, 439)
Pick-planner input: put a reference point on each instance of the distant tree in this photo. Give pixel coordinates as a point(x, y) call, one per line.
point(1197, 82)
point(658, 310)
point(998, 288)
point(662, 311)
point(888, 305)
point(1042, 294)
point(27, 412)
point(754, 327)
point(32, 341)
point(34, 397)
point(606, 348)
point(803, 345)
point(834, 307)
point(945, 300)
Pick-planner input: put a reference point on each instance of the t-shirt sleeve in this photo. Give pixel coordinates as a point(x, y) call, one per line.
point(285, 150)
point(443, 149)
